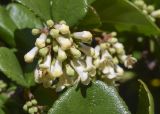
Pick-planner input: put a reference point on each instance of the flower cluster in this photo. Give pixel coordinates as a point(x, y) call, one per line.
point(67, 58)
point(148, 9)
point(31, 106)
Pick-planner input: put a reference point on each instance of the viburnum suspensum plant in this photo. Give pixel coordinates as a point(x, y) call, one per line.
point(62, 56)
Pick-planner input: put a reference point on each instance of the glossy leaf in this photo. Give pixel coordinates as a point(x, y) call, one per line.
point(90, 1)
point(23, 17)
point(91, 20)
point(7, 28)
point(39, 7)
point(146, 102)
point(124, 16)
point(71, 11)
point(9, 66)
point(99, 98)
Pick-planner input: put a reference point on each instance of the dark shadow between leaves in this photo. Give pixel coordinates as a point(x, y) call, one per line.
point(83, 89)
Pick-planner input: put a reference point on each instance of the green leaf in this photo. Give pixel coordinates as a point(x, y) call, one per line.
point(23, 17)
point(90, 1)
point(7, 27)
point(9, 66)
point(1, 111)
point(39, 7)
point(3, 99)
point(71, 11)
point(146, 102)
point(91, 20)
point(124, 16)
point(99, 98)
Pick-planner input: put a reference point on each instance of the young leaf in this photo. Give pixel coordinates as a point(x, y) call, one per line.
point(124, 16)
point(23, 17)
point(91, 20)
point(69, 10)
point(39, 7)
point(7, 27)
point(146, 102)
point(10, 67)
point(99, 98)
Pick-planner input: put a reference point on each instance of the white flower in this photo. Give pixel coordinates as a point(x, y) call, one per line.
point(109, 72)
point(89, 65)
point(80, 69)
point(61, 55)
point(31, 55)
point(156, 14)
point(38, 75)
point(65, 43)
point(105, 57)
point(119, 70)
point(119, 48)
point(97, 51)
point(56, 69)
point(64, 29)
point(83, 36)
point(87, 50)
point(47, 62)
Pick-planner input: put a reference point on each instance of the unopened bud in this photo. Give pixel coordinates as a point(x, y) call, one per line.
point(50, 23)
point(69, 70)
point(156, 14)
point(31, 55)
point(61, 55)
point(36, 31)
point(34, 102)
point(64, 29)
point(83, 36)
point(65, 43)
point(54, 33)
point(43, 51)
point(75, 52)
point(47, 62)
point(40, 42)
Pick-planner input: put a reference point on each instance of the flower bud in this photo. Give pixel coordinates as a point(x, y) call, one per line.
point(65, 43)
point(47, 62)
point(38, 75)
point(40, 42)
point(54, 33)
point(119, 48)
point(31, 55)
point(64, 29)
point(29, 103)
point(43, 51)
point(69, 70)
point(75, 52)
point(50, 23)
point(56, 69)
point(36, 31)
point(61, 55)
point(113, 40)
point(97, 51)
point(34, 102)
point(25, 107)
point(150, 8)
point(156, 14)
point(31, 111)
point(83, 36)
